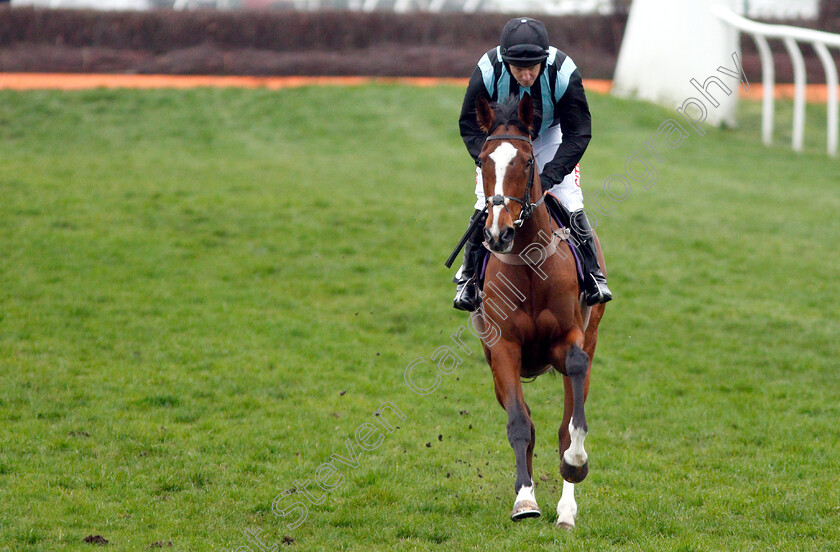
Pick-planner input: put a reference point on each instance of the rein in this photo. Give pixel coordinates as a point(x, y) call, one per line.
point(527, 207)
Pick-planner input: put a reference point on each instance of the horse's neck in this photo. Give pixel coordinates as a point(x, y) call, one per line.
point(537, 229)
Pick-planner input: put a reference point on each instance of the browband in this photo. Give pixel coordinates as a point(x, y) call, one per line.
point(508, 137)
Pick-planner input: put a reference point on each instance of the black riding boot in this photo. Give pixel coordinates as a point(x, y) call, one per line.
point(595, 288)
point(467, 297)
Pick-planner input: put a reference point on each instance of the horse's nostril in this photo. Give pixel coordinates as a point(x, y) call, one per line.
point(506, 235)
point(487, 236)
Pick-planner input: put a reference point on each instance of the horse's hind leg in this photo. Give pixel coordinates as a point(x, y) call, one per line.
point(520, 428)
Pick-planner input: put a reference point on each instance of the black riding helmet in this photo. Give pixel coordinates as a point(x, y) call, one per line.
point(524, 42)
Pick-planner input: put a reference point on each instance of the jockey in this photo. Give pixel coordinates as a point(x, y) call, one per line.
point(524, 63)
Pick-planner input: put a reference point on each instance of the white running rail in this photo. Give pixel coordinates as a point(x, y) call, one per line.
point(820, 41)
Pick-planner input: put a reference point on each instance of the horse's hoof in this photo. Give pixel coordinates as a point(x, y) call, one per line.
point(567, 525)
point(525, 509)
point(574, 474)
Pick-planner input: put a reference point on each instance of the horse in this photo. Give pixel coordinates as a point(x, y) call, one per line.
point(531, 296)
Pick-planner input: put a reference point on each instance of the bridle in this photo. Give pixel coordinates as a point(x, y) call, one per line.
point(527, 207)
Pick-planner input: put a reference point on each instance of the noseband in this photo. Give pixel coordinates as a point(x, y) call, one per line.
point(527, 207)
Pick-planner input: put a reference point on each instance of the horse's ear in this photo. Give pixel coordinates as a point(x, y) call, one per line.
point(526, 111)
point(484, 114)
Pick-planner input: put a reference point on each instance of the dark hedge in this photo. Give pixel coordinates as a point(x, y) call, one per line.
point(159, 31)
point(309, 43)
point(282, 43)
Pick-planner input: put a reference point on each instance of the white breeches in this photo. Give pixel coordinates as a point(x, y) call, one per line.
point(545, 146)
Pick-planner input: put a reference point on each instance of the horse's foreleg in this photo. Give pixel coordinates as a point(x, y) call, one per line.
point(575, 463)
point(520, 429)
point(573, 428)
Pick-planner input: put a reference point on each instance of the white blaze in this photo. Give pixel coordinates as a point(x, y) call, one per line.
point(501, 156)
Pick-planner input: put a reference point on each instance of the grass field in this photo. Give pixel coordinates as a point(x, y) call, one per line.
point(203, 294)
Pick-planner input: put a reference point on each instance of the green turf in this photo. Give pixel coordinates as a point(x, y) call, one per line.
point(203, 294)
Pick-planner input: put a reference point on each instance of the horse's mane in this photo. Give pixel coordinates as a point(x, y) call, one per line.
point(507, 113)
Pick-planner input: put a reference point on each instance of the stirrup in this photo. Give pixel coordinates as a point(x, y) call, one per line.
point(462, 301)
point(597, 292)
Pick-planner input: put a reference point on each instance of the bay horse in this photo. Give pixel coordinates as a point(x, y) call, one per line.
point(536, 307)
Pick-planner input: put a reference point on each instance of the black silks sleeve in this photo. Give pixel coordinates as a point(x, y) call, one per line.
point(572, 111)
point(472, 135)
